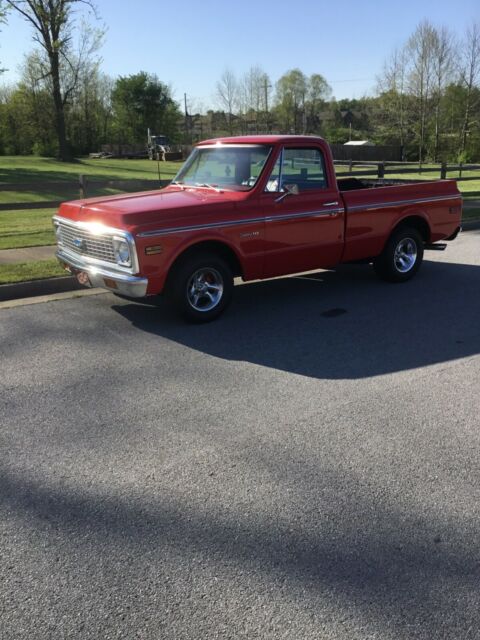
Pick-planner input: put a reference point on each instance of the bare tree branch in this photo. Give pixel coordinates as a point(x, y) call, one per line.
point(52, 21)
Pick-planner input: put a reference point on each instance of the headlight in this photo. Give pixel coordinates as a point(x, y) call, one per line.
point(122, 252)
point(58, 232)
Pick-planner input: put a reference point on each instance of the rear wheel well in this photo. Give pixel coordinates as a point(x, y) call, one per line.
point(211, 246)
point(415, 222)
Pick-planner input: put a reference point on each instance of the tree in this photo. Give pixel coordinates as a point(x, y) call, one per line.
point(393, 100)
point(2, 20)
point(429, 95)
point(318, 92)
point(38, 101)
point(443, 52)
point(53, 22)
point(227, 94)
point(291, 94)
point(142, 102)
point(420, 48)
point(90, 115)
point(254, 90)
point(469, 74)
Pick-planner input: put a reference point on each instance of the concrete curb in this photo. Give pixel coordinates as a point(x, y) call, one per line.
point(38, 288)
point(471, 225)
point(52, 297)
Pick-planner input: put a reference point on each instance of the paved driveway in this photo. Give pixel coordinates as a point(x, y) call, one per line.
point(306, 467)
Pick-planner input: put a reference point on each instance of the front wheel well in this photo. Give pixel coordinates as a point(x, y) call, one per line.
point(415, 222)
point(211, 246)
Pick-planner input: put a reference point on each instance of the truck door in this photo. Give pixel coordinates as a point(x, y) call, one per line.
point(304, 214)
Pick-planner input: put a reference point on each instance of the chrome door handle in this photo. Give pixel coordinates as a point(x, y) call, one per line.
point(329, 204)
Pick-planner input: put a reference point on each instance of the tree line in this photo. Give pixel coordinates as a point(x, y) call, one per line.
point(429, 95)
point(427, 98)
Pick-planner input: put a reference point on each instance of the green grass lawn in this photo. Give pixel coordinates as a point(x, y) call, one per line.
point(53, 195)
point(26, 228)
point(24, 271)
point(25, 171)
point(21, 169)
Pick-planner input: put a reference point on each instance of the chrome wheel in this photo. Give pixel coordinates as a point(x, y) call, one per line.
point(405, 255)
point(205, 289)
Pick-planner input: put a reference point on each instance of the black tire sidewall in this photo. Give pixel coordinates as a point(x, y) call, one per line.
point(177, 286)
point(385, 264)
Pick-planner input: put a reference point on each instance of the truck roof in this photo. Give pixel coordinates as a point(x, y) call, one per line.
point(263, 139)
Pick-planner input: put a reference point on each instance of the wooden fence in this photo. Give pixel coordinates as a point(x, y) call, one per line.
point(65, 190)
point(383, 169)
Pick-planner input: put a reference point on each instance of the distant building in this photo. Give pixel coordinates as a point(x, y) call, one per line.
point(360, 143)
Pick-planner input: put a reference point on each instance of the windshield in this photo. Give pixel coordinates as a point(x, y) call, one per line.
point(235, 167)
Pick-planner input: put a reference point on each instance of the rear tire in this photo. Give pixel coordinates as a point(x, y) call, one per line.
point(402, 256)
point(200, 287)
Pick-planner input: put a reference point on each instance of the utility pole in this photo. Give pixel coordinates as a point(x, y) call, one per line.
point(304, 116)
point(186, 118)
point(266, 87)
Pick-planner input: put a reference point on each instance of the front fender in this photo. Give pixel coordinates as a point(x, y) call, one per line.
point(157, 266)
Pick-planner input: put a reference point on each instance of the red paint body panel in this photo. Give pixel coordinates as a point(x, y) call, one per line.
point(373, 214)
point(314, 229)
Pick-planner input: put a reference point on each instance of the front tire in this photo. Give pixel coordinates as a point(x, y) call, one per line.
point(402, 256)
point(200, 287)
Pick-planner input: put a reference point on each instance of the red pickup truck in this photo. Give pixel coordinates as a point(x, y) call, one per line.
point(251, 207)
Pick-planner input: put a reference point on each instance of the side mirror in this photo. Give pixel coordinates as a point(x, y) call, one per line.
point(288, 190)
point(291, 189)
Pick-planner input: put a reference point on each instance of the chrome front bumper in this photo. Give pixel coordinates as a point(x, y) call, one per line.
point(122, 283)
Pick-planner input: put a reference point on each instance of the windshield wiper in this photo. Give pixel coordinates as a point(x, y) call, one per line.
point(177, 183)
point(208, 186)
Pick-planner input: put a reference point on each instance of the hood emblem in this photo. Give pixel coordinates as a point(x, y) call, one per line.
point(80, 244)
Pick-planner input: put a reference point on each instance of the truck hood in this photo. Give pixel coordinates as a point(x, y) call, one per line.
point(162, 207)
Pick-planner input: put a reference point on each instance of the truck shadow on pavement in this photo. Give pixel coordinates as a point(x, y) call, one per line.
point(343, 324)
point(398, 572)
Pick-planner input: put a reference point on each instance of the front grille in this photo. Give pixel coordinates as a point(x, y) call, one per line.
point(86, 243)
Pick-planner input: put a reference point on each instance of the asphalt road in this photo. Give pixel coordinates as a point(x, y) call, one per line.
point(306, 467)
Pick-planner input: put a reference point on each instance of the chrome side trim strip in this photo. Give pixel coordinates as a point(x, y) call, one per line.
point(307, 214)
point(383, 205)
point(198, 227)
point(233, 223)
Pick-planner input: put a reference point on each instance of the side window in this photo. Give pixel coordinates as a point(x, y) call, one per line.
point(304, 167)
point(272, 183)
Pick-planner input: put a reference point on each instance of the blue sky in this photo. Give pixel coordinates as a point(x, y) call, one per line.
point(188, 44)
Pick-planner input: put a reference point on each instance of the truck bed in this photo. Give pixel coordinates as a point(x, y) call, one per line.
point(374, 206)
point(355, 184)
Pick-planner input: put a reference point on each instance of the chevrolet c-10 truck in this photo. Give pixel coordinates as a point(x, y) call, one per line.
point(251, 207)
